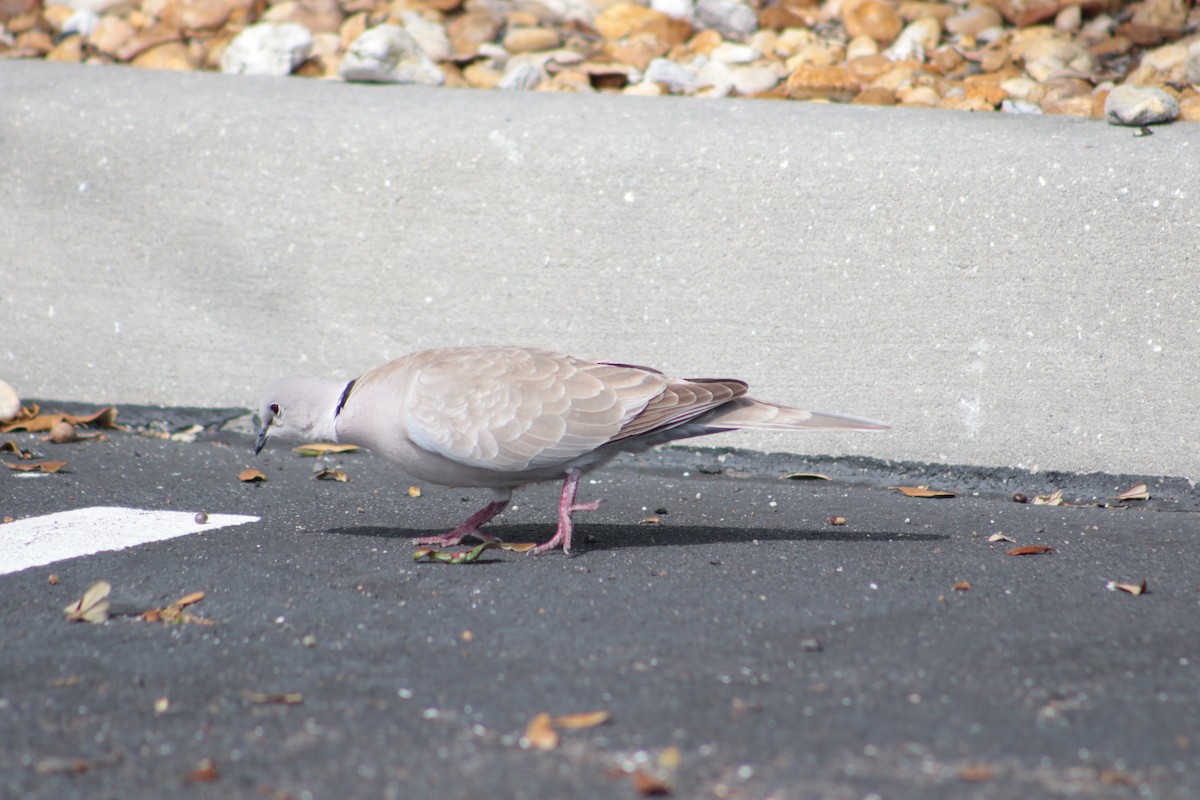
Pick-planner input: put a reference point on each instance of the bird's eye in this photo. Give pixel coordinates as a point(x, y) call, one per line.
point(274, 408)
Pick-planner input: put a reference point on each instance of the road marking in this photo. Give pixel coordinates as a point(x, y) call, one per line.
point(38, 541)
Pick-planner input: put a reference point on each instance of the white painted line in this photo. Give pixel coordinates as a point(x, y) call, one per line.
point(37, 541)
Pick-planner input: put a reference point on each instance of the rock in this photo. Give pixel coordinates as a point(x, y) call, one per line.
point(730, 53)
point(974, 21)
point(1139, 105)
point(430, 35)
point(469, 31)
point(831, 83)
point(675, 77)
point(872, 18)
point(521, 76)
point(920, 36)
point(753, 79)
point(714, 79)
point(69, 50)
point(875, 96)
point(868, 68)
point(172, 55)
point(10, 403)
point(1069, 19)
point(1191, 69)
point(388, 54)
point(731, 19)
point(1189, 108)
point(818, 54)
point(680, 9)
point(1053, 56)
point(624, 20)
point(861, 46)
point(482, 77)
point(925, 96)
point(1166, 64)
point(318, 16)
point(1078, 106)
point(987, 89)
point(643, 89)
point(526, 40)
point(206, 15)
point(267, 48)
point(111, 34)
point(82, 22)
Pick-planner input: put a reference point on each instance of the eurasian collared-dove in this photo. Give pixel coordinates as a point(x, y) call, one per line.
point(502, 417)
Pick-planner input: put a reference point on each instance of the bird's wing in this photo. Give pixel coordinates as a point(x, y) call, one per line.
point(512, 409)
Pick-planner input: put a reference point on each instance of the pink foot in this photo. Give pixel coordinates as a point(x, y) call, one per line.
point(469, 527)
point(566, 506)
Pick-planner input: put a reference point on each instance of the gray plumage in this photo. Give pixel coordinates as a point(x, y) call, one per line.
point(502, 417)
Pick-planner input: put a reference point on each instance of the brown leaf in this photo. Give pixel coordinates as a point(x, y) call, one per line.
point(205, 772)
point(518, 547)
point(962, 586)
point(650, 521)
point(589, 719)
point(38, 466)
point(175, 612)
point(283, 698)
point(251, 476)
point(1000, 537)
point(540, 734)
point(1054, 499)
point(331, 475)
point(925, 491)
point(648, 785)
point(93, 606)
point(1030, 550)
point(34, 422)
point(323, 449)
point(974, 773)
point(806, 476)
point(11, 447)
point(1133, 588)
point(1136, 492)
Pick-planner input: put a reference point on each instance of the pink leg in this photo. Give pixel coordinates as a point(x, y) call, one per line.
point(470, 527)
point(566, 505)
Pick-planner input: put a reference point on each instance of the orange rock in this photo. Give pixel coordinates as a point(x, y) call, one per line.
point(1080, 106)
point(868, 68)
point(145, 39)
point(529, 40)
point(34, 41)
point(1189, 108)
point(69, 50)
point(111, 34)
point(873, 18)
point(831, 83)
point(319, 16)
point(469, 31)
point(986, 88)
point(875, 96)
point(623, 20)
point(172, 55)
point(790, 14)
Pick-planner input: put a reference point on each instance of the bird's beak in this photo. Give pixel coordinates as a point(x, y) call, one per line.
point(261, 442)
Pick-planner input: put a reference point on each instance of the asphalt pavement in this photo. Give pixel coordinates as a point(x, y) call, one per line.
point(743, 640)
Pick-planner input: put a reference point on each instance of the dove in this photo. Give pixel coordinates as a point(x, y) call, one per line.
point(503, 417)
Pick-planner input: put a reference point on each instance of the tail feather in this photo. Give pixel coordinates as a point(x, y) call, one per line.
point(746, 412)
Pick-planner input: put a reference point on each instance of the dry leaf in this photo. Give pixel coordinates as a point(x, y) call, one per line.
point(175, 612)
point(1054, 499)
point(648, 785)
point(925, 491)
point(162, 704)
point(650, 521)
point(806, 476)
point(323, 449)
point(976, 772)
point(540, 733)
point(517, 547)
point(1133, 588)
point(34, 422)
point(52, 580)
point(11, 447)
point(284, 698)
point(205, 772)
point(1030, 550)
point(251, 476)
point(962, 586)
point(589, 719)
point(38, 466)
point(414, 491)
point(331, 475)
point(1136, 492)
point(93, 606)
point(837, 520)
point(58, 683)
point(1000, 537)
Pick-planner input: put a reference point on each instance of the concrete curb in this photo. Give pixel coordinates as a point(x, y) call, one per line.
point(1005, 291)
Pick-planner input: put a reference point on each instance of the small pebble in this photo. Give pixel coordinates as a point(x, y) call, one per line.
point(201, 518)
point(388, 54)
point(10, 404)
point(1020, 497)
point(62, 432)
